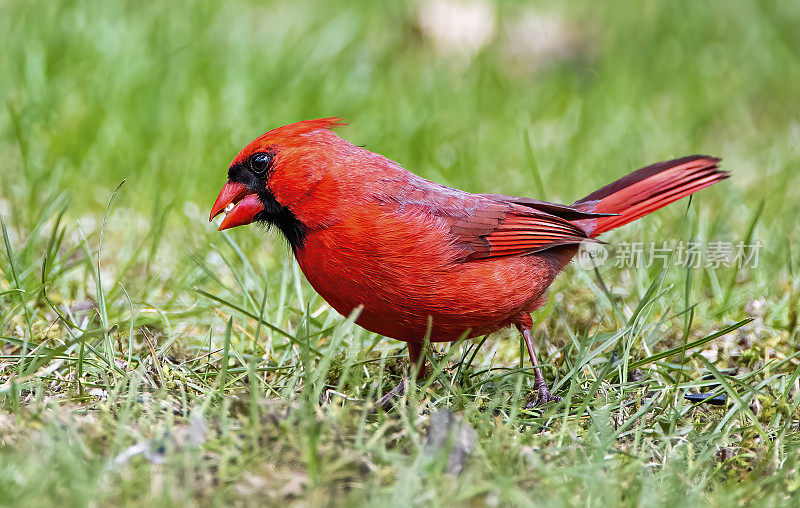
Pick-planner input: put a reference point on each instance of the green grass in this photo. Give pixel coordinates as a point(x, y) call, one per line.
point(147, 358)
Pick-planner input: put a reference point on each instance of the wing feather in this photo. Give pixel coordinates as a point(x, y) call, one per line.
point(492, 225)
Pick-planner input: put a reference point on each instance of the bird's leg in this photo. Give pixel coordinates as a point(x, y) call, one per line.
point(543, 395)
point(417, 362)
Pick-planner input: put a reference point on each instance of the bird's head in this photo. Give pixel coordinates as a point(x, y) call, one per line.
point(270, 177)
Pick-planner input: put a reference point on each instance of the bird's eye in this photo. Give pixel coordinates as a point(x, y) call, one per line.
point(259, 162)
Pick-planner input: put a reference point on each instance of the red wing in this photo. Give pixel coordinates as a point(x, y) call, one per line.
point(488, 225)
point(519, 232)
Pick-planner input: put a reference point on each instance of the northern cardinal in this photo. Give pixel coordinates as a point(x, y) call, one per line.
point(422, 260)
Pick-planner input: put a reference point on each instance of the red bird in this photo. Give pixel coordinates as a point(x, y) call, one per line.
point(421, 259)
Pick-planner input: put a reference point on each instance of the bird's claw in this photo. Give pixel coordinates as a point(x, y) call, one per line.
point(387, 401)
point(542, 397)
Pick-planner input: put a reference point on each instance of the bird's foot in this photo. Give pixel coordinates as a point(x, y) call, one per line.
point(541, 398)
point(387, 401)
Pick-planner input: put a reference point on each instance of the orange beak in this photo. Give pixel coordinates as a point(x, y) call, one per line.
point(240, 204)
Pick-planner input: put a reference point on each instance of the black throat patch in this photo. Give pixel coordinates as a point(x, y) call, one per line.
point(275, 214)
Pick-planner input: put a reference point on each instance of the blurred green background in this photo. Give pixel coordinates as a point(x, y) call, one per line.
point(543, 99)
point(165, 94)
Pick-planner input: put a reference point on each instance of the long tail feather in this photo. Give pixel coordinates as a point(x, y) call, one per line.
point(648, 189)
